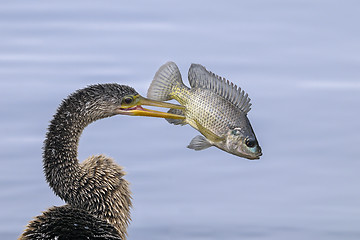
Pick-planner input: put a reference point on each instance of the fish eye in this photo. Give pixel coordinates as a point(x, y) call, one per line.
point(250, 143)
point(128, 99)
point(235, 132)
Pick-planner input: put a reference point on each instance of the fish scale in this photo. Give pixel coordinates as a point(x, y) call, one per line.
point(215, 119)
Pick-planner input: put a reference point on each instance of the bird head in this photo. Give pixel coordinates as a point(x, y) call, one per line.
point(106, 100)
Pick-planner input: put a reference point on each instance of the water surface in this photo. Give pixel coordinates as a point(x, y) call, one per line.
point(298, 60)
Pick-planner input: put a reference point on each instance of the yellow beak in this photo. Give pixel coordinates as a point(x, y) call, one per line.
point(138, 110)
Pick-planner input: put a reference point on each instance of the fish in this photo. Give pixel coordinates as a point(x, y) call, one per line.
point(214, 106)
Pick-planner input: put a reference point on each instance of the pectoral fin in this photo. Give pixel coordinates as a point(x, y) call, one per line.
point(208, 134)
point(199, 143)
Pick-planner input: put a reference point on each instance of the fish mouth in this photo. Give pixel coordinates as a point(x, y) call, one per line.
point(253, 154)
point(250, 156)
point(138, 110)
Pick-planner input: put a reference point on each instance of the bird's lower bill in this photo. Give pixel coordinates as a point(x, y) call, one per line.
point(138, 110)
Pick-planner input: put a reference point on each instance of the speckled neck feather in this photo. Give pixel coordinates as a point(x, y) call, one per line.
point(95, 185)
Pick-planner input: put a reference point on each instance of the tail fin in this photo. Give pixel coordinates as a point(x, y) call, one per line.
point(166, 78)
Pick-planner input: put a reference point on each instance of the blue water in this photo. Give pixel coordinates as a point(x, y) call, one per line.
point(298, 60)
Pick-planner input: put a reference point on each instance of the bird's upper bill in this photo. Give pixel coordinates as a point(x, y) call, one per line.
point(135, 108)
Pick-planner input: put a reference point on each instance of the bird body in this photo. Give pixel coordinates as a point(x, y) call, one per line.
point(95, 187)
point(215, 107)
point(66, 223)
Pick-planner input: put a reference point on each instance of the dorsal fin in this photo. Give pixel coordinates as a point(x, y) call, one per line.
point(201, 78)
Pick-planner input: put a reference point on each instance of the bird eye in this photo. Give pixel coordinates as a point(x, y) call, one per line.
point(250, 143)
point(128, 100)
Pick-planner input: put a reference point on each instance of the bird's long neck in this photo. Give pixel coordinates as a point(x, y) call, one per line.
point(61, 167)
point(96, 185)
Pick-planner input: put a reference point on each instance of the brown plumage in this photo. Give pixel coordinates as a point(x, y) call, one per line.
point(94, 189)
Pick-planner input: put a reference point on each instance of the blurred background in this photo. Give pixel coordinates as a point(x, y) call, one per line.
point(298, 60)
